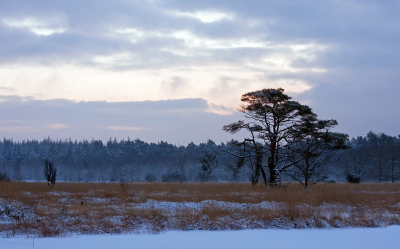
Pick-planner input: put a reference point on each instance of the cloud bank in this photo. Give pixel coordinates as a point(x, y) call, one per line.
point(176, 121)
point(340, 57)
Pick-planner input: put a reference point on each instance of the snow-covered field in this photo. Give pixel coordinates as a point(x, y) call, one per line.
point(353, 238)
point(34, 210)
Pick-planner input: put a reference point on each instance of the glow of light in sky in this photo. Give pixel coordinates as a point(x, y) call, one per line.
point(205, 16)
point(37, 26)
point(125, 128)
point(190, 39)
point(221, 85)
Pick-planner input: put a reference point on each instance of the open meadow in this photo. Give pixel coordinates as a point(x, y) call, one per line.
point(35, 209)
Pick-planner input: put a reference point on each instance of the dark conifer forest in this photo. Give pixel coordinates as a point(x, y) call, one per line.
point(373, 158)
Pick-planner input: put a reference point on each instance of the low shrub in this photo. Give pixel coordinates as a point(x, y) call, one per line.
point(4, 177)
point(150, 177)
point(351, 178)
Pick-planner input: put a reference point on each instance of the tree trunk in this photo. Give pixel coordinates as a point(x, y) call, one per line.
point(271, 165)
point(259, 166)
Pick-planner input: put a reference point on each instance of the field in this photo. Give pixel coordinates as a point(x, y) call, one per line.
point(35, 209)
point(372, 238)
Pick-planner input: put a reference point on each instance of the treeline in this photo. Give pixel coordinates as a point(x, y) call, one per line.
point(125, 160)
point(375, 157)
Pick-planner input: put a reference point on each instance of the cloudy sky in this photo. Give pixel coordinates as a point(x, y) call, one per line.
point(174, 70)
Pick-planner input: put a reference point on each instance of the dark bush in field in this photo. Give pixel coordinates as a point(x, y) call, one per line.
point(351, 178)
point(50, 172)
point(4, 177)
point(150, 177)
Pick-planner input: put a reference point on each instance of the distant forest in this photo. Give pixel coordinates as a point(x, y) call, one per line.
point(373, 158)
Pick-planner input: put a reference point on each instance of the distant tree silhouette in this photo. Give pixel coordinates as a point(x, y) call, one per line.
point(316, 151)
point(50, 172)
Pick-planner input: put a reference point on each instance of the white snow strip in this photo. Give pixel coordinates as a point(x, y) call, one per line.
point(176, 206)
point(363, 238)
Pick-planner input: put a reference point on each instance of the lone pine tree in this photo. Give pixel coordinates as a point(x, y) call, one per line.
point(275, 124)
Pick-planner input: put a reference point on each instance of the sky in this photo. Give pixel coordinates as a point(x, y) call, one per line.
point(174, 70)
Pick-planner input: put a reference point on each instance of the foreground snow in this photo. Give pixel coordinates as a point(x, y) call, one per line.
point(114, 216)
point(363, 238)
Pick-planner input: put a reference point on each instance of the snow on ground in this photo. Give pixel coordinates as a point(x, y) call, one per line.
point(354, 238)
point(179, 206)
point(114, 216)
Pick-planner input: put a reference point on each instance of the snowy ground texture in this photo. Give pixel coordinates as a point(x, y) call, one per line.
point(71, 209)
point(159, 216)
point(352, 238)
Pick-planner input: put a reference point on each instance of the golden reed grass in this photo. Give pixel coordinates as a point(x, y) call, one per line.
point(115, 207)
point(370, 194)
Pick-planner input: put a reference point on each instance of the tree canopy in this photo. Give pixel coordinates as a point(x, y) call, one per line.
point(275, 125)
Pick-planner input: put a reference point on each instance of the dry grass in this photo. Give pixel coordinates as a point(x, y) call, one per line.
point(370, 194)
point(115, 207)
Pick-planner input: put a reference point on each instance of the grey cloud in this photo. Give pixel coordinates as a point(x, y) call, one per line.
point(176, 121)
point(354, 28)
point(88, 27)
